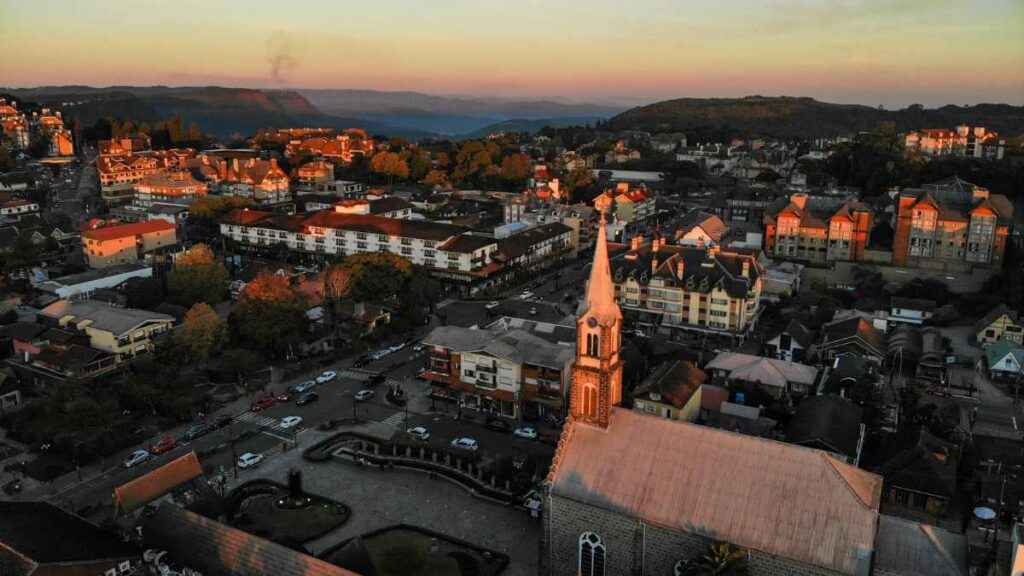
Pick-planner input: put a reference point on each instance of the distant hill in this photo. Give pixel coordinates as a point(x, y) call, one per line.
point(786, 117)
point(452, 115)
point(531, 126)
point(217, 110)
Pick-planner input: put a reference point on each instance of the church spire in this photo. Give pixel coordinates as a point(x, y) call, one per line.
point(600, 299)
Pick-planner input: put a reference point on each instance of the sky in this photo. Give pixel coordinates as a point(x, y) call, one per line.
point(876, 52)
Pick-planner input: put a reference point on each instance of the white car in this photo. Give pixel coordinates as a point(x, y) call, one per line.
point(419, 433)
point(290, 421)
point(492, 305)
point(136, 457)
point(249, 460)
point(364, 395)
point(526, 295)
point(465, 443)
point(527, 432)
point(419, 347)
point(326, 377)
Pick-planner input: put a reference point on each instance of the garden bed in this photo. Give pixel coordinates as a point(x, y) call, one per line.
point(253, 507)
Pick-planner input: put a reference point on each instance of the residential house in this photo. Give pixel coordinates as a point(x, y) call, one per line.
point(169, 187)
point(504, 373)
point(792, 344)
point(829, 423)
point(127, 243)
point(314, 172)
point(854, 334)
point(123, 332)
point(699, 228)
point(38, 538)
point(342, 147)
point(951, 225)
point(671, 289)
point(777, 378)
point(1004, 360)
point(921, 479)
point(911, 310)
point(1001, 323)
point(630, 202)
point(673, 390)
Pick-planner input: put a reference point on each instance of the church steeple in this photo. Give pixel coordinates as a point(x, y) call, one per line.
point(597, 371)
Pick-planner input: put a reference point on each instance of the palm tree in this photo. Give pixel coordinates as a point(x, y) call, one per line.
point(721, 559)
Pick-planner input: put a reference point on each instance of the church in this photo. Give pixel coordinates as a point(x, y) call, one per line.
point(634, 494)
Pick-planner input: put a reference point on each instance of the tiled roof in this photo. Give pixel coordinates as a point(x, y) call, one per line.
point(102, 316)
point(768, 371)
point(675, 381)
point(922, 462)
point(784, 500)
point(216, 549)
point(466, 244)
point(380, 225)
point(702, 271)
point(128, 230)
point(854, 327)
point(148, 487)
point(912, 549)
point(827, 422)
point(48, 535)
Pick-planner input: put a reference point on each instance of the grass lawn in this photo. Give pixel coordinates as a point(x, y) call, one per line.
point(263, 517)
point(407, 553)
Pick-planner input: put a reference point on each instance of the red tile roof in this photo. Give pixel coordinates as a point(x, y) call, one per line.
point(126, 230)
point(149, 487)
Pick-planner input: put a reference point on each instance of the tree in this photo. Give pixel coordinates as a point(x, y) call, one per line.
point(436, 178)
point(577, 179)
point(419, 164)
point(515, 168)
point(198, 277)
point(390, 164)
point(143, 293)
point(270, 315)
point(203, 333)
point(721, 559)
point(376, 276)
point(212, 208)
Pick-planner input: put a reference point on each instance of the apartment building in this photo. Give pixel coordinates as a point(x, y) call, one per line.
point(949, 224)
point(342, 147)
point(448, 251)
point(51, 124)
point(503, 373)
point(126, 243)
point(818, 229)
point(970, 141)
point(170, 187)
point(123, 332)
point(262, 180)
point(14, 124)
point(630, 202)
point(121, 171)
point(672, 289)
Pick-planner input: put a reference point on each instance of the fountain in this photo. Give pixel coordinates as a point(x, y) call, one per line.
point(295, 498)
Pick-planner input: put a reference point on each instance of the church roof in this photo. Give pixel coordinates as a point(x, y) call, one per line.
point(600, 300)
point(785, 500)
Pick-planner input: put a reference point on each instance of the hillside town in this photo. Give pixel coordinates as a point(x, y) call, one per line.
point(578, 350)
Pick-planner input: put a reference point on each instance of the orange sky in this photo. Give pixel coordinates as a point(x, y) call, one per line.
point(891, 52)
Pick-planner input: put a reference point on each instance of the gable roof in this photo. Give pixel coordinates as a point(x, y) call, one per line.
point(998, 350)
point(829, 422)
point(993, 315)
point(854, 328)
point(152, 485)
point(769, 371)
point(784, 500)
point(912, 549)
point(216, 549)
point(675, 381)
point(924, 463)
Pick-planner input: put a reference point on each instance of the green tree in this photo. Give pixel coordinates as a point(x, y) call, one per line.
point(198, 277)
point(270, 315)
point(202, 334)
point(721, 559)
point(376, 277)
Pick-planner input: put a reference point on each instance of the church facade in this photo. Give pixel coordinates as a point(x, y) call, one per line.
point(632, 494)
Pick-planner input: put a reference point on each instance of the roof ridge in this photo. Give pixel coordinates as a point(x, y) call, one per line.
point(833, 464)
point(929, 533)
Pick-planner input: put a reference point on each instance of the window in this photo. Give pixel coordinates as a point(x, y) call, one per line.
point(593, 345)
point(591, 555)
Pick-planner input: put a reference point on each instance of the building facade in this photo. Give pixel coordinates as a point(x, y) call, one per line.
point(818, 229)
point(126, 243)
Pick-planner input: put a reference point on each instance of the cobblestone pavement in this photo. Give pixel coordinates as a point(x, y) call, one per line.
point(381, 498)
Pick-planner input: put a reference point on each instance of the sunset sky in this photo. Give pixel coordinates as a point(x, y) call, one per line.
point(889, 52)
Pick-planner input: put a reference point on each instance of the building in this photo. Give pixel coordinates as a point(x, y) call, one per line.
point(342, 147)
point(38, 538)
point(120, 172)
point(126, 243)
point(911, 310)
point(122, 332)
point(851, 335)
point(777, 378)
point(829, 423)
point(951, 225)
point(630, 202)
point(970, 141)
point(1001, 323)
point(170, 187)
point(921, 478)
point(16, 208)
point(699, 228)
point(818, 229)
point(1004, 360)
point(792, 344)
point(150, 488)
point(314, 172)
point(509, 373)
point(262, 180)
point(673, 390)
point(50, 125)
point(77, 286)
point(671, 289)
point(535, 246)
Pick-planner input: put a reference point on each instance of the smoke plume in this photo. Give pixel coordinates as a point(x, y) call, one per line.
point(281, 56)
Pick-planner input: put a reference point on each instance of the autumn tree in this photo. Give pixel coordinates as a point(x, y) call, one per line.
point(577, 179)
point(376, 276)
point(390, 164)
point(436, 178)
point(213, 208)
point(270, 315)
point(202, 334)
point(515, 168)
point(198, 277)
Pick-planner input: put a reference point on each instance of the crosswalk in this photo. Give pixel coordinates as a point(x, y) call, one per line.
point(267, 422)
point(395, 420)
point(360, 375)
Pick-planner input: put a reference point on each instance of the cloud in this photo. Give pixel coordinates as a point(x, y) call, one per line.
point(281, 56)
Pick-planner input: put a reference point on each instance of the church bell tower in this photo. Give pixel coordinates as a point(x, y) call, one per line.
point(597, 370)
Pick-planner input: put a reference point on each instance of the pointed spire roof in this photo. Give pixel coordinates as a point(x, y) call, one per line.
point(600, 299)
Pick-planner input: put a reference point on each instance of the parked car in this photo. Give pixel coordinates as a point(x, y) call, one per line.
point(498, 425)
point(283, 397)
point(419, 347)
point(526, 295)
point(326, 377)
point(307, 398)
point(364, 395)
point(526, 432)
point(249, 460)
point(302, 387)
point(263, 403)
point(492, 305)
point(419, 433)
point(197, 431)
point(290, 422)
point(165, 444)
point(465, 443)
point(136, 457)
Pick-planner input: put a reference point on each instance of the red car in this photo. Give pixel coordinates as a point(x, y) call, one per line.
point(165, 444)
point(263, 403)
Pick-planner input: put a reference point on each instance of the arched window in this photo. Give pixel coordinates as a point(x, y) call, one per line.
point(591, 555)
point(593, 345)
point(590, 401)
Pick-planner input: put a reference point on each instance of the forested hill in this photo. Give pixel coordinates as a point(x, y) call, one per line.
point(704, 119)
